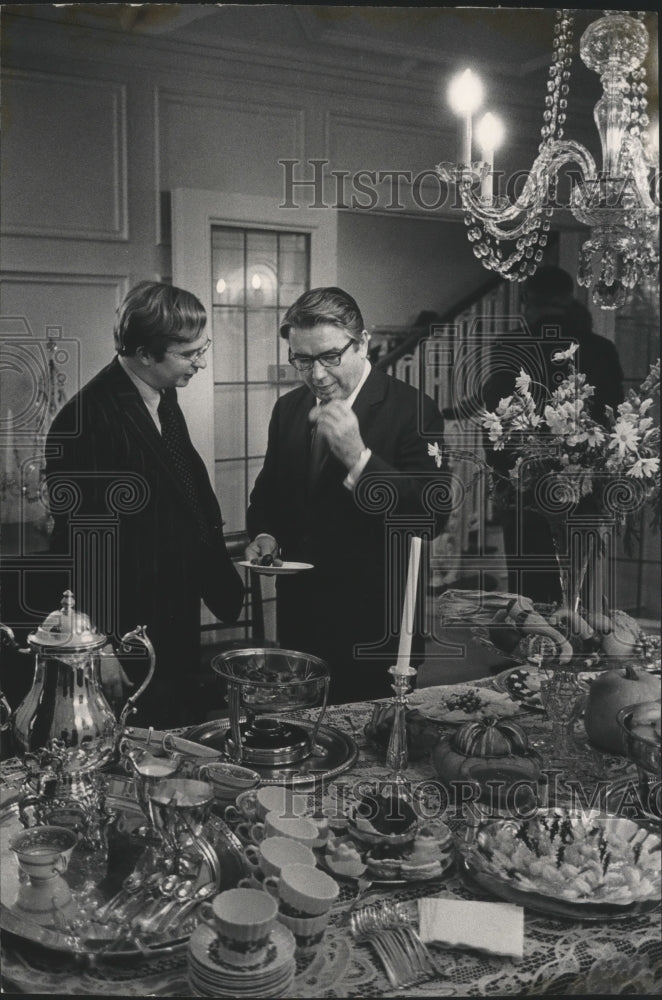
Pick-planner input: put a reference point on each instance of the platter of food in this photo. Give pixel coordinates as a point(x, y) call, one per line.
point(277, 567)
point(461, 703)
point(383, 840)
point(584, 865)
point(427, 857)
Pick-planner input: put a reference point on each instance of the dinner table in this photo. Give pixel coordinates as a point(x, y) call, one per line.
point(562, 956)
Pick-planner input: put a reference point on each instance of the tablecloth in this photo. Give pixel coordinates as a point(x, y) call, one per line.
point(560, 957)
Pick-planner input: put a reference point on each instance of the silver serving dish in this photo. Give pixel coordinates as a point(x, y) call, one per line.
point(69, 923)
point(270, 680)
point(273, 680)
point(506, 872)
point(646, 752)
point(336, 752)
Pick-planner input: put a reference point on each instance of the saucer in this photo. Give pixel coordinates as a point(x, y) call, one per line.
point(209, 966)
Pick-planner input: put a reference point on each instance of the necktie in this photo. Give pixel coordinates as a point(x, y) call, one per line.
point(178, 446)
point(319, 449)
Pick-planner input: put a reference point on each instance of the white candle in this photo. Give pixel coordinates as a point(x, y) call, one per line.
point(464, 140)
point(465, 95)
point(409, 607)
point(489, 133)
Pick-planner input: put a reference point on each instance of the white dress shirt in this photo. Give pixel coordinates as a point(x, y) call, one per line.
point(151, 397)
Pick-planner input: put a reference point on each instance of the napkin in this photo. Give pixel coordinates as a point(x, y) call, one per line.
point(497, 928)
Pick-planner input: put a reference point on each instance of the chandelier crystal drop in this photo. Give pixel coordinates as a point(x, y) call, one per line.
point(615, 202)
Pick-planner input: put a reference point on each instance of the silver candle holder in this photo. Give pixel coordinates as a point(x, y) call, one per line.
point(397, 756)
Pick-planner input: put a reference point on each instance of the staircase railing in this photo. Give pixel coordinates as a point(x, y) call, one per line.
point(440, 360)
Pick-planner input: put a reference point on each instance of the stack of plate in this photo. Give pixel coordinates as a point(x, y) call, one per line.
point(212, 976)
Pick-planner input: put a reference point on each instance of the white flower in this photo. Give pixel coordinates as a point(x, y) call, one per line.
point(565, 355)
point(435, 452)
point(492, 425)
point(644, 468)
point(523, 381)
point(594, 435)
point(624, 437)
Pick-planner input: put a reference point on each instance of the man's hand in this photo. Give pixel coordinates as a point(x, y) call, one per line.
point(113, 678)
point(262, 545)
point(337, 422)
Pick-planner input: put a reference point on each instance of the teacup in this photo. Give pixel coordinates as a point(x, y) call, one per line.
point(321, 821)
point(308, 931)
point(274, 853)
point(44, 851)
point(256, 804)
point(242, 919)
point(298, 828)
point(227, 780)
point(244, 807)
point(281, 801)
point(303, 893)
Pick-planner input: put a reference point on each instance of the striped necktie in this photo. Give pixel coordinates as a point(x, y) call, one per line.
point(319, 449)
point(179, 448)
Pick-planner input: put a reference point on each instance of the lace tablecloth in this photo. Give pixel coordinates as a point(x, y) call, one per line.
point(560, 957)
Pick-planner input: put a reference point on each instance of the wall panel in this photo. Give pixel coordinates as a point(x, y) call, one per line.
point(69, 137)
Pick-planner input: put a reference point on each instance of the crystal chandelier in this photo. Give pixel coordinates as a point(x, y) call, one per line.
point(615, 201)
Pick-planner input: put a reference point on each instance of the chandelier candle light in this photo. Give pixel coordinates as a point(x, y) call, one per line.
point(402, 672)
point(615, 201)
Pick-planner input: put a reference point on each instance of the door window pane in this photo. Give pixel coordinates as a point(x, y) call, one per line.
point(231, 493)
point(262, 343)
point(256, 275)
point(229, 424)
point(229, 345)
point(262, 400)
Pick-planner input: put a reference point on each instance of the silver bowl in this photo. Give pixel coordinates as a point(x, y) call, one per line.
point(272, 680)
point(643, 750)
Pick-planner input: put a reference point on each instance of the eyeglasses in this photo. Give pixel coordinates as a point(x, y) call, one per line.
point(329, 359)
point(192, 356)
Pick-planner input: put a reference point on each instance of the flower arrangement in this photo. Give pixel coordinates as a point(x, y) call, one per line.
point(561, 444)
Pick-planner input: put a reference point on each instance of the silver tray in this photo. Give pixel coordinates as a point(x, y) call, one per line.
point(339, 753)
point(125, 850)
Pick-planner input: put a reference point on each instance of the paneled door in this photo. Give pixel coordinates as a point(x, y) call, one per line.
point(256, 275)
point(247, 260)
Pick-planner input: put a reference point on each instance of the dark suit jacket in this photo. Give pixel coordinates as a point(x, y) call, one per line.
point(154, 570)
point(356, 584)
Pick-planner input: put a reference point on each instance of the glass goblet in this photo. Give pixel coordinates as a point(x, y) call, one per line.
point(563, 695)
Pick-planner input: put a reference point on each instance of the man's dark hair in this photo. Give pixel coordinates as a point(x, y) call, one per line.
point(154, 315)
point(324, 305)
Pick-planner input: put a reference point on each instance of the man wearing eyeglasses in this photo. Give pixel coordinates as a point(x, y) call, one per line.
point(348, 422)
point(122, 446)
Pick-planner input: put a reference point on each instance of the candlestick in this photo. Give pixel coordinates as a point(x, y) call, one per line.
point(409, 607)
point(397, 756)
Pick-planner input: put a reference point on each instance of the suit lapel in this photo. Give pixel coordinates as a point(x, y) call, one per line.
point(138, 420)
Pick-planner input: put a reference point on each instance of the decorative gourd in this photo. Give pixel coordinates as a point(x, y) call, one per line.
point(490, 738)
point(494, 742)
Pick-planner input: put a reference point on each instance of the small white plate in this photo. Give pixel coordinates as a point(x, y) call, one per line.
point(283, 570)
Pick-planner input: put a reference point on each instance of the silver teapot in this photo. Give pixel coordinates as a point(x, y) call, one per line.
point(66, 702)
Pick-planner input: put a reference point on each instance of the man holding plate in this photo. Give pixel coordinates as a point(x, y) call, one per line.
point(338, 445)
